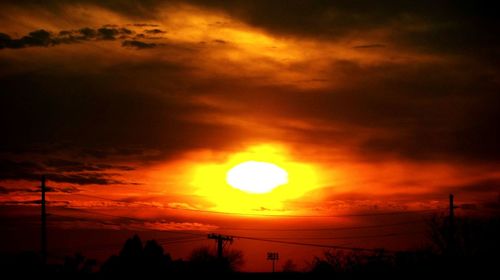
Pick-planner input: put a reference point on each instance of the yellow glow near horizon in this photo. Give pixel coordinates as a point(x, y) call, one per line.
point(256, 177)
point(290, 180)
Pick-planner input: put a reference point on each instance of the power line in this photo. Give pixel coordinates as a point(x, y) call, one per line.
point(326, 238)
point(274, 240)
point(313, 244)
point(348, 237)
point(180, 241)
point(324, 229)
point(180, 238)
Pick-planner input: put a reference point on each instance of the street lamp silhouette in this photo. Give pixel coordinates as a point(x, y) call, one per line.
point(273, 256)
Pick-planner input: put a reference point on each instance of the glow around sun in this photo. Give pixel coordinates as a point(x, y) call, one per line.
point(256, 176)
point(259, 177)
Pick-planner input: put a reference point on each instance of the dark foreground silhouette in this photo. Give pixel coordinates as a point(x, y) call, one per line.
point(468, 247)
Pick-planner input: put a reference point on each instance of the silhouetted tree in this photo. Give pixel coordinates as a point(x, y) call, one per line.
point(72, 264)
point(78, 264)
point(154, 259)
point(472, 245)
point(204, 259)
point(438, 233)
point(235, 259)
point(354, 263)
point(289, 266)
point(22, 264)
point(136, 260)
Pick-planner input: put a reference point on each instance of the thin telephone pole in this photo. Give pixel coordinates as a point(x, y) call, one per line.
point(451, 237)
point(43, 240)
point(452, 213)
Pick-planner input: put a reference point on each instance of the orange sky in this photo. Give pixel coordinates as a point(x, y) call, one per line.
point(138, 110)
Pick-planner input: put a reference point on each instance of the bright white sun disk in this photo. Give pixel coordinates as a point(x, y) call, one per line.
point(256, 176)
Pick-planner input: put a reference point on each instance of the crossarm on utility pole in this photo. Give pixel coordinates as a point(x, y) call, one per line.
point(220, 239)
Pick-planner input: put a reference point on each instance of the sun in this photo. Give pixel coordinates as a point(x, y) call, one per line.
point(256, 176)
point(265, 176)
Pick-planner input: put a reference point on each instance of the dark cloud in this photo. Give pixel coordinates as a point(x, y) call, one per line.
point(459, 26)
point(493, 204)
point(23, 202)
point(43, 38)
point(138, 44)
point(331, 19)
point(87, 32)
point(325, 18)
point(69, 165)
point(369, 46)
point(464, 28)
point(33, 202)
point(19, 170)
point(107, 33)
point(62, 189)
point(64, 165)
point(38, 38)
point(220, 41)
point(83, 179)
point(144, 25)
point(481, 186)
point(106, 114)
point(468, 206)
point(5, 190)
point(420, 111)
point(155, 31)
point(61, 171)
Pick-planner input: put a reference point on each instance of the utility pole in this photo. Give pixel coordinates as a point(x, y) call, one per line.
point(273, 256)
point(221, 240)
point(43, 241)
point(451, 237)
point(452, 213)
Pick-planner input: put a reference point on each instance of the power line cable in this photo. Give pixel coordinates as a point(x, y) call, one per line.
point(324, 229)
point(283, 241)
point(348, 237)
point(181, 241)
point(292, 242)
point(314, 244)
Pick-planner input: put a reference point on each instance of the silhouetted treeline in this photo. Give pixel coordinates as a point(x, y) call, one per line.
point(136, 259)
point(468, 246)
point(150, 259)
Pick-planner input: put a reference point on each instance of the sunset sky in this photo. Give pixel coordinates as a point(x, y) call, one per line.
point(376, 111)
